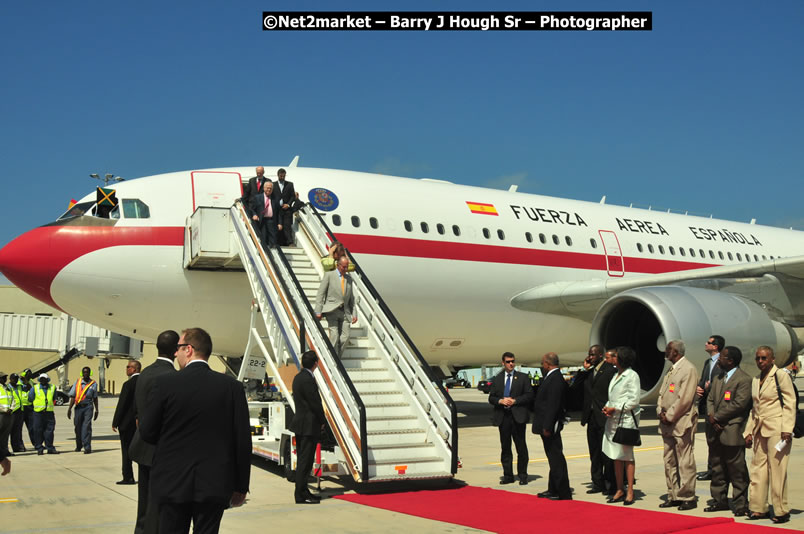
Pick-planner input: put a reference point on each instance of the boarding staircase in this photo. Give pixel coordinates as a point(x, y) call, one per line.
point(390, 417)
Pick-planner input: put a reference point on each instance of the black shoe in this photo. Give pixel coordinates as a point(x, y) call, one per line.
point(618, 499)
point(10, 454)
point(546, 494)
point(307, 500)
point(507, 480)
point(740, 512)
point(127, 482)
point(523, 481)
point(688, 505)
point(669, 504)
point(594, 489)
point(628, 503)
point(560, 497)
point(53, 451)
point(706, 475)
point(781, 518)
point(753, 516)
point(716, 508)
point(78, 449)
point(313, 497)
point(40, 453)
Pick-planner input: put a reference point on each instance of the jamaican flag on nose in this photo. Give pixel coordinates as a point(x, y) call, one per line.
point(106, 197)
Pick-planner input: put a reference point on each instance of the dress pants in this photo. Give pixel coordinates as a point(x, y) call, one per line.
point(728, 467)
point(44, 425)
point(679, 466)
point(267, 231)
point(602, 468)
point(125, 442)
point(175, 517)
point(509, 429)
point(6, 422)
point(16, 432)
point(558, 482)
point(305, 454)
point(285, 218)
point(83, 425)
point(339, 327)
point(769, 467)
point(28, 418)
point(147, 512)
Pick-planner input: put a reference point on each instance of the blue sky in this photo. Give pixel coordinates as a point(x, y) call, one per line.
point(705, 113)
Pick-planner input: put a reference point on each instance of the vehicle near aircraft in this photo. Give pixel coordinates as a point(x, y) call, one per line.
point(469, 271)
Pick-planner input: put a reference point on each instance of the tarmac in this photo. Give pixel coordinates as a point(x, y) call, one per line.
point(76, 492)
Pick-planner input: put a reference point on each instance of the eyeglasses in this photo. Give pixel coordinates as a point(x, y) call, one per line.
point(180, 345)
point(509, 361)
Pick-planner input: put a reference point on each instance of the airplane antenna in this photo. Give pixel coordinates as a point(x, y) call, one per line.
point(295, 162)
point(513, 188)
point(603, 200)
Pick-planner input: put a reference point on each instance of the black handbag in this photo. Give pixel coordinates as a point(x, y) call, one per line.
point(627, 436)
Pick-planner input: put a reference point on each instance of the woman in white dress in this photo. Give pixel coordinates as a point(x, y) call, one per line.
point(622, 409)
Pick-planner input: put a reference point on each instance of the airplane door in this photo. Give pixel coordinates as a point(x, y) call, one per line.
point(614, 256)
point(215, 188)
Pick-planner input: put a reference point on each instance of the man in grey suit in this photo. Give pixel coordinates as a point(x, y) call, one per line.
point(728, 406)
point(336, 301)
point(141, 451)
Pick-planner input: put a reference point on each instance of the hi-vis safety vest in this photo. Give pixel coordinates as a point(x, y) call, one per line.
point(81, 391)
point(18, 394)
point(24, 394)
point(44, 399)
point(6, 398)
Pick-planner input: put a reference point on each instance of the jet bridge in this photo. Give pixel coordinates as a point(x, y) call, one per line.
point(391, 419)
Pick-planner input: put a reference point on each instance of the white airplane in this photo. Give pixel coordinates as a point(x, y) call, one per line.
point(470, 272)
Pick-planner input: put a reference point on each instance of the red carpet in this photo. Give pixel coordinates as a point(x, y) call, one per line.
point(481, 508)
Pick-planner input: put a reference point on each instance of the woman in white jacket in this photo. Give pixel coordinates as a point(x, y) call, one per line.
point(622, 409)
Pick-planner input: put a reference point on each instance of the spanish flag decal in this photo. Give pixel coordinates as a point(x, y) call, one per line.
point(483, 209)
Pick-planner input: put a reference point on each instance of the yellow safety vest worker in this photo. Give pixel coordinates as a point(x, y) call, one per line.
point(18, 394)
point(6, 396)
point(24, 394)
point(81, 392)
point(43, 400)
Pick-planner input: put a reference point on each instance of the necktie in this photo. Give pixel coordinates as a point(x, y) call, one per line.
point(343, 285)
point(268, 209)
point(507, 391)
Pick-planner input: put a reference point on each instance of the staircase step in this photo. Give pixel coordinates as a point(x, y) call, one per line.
point(360, 374)
point(380, 438)
point(396, 453)
point(381, 397)
point(395, 423)
point(409, 467)
point(413, 476)
point(388, 410)
point(350, 361)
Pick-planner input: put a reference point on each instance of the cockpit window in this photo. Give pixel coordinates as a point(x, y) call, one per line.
point(134, 208)
point(77, 210)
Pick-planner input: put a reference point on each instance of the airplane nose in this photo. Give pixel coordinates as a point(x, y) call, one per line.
point(24, 261)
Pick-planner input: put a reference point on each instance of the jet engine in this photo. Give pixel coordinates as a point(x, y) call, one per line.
point(647, 318)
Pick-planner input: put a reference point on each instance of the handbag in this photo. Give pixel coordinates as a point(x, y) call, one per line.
point(627, 436)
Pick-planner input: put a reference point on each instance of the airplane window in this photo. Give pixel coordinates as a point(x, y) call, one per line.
point(703, 254)
point(440, 228)
point(711, 254)
point(336, 220)
point(529, 237)
point(408, 226)
point(355, 221)
point(115, 213)
point(740, 257)
point(748, 257)
point(486, 233)
point(681, 250)
point(542, 239)
point(672, 251)
point(730, 256)
point(661, 249)
point(763, 257)
point(594, 244)
point(568, 240)
point(639, 246)
point(77, 210)
point(373, 222)
point(555, 239)
point(650, 249)
point(692, 252)
point(456, 230)
point(720, 253)
point(500, 234)
point(425, 228)
point(134, 208)
point(756, 258)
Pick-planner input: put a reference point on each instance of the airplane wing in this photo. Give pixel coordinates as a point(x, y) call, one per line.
point(777, 284)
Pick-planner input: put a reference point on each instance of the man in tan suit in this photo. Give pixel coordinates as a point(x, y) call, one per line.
point(727, 406)
point(336, 301)
point(770, 429)
point(678, 414)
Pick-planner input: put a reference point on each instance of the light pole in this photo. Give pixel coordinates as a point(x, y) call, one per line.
point(107, 178)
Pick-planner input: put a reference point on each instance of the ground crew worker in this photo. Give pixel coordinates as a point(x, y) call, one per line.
point(27, 384)
point(16, 426)
point(84, 396)
point(41, 395)
point(7, 404)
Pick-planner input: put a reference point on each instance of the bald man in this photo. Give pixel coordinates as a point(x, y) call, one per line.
point(254, 186)
point(549, 412)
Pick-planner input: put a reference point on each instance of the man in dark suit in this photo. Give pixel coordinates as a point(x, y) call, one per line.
point(511, 394)
point(264, 211)
point(285, 195)
point(125, 418)
point(307, 423)
point(714, 344)
point(728, 406)
point(254, 186)
point(594, 381)
point(140, 451)
point(198, 420)
point(548, 420)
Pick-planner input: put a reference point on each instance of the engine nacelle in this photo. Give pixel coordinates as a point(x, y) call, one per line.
point(647, 318)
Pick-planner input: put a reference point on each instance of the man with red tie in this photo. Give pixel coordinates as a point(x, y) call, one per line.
point(264, 209)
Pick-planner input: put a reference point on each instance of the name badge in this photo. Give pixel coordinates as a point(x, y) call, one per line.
point(672, 388)
point(727, 396)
